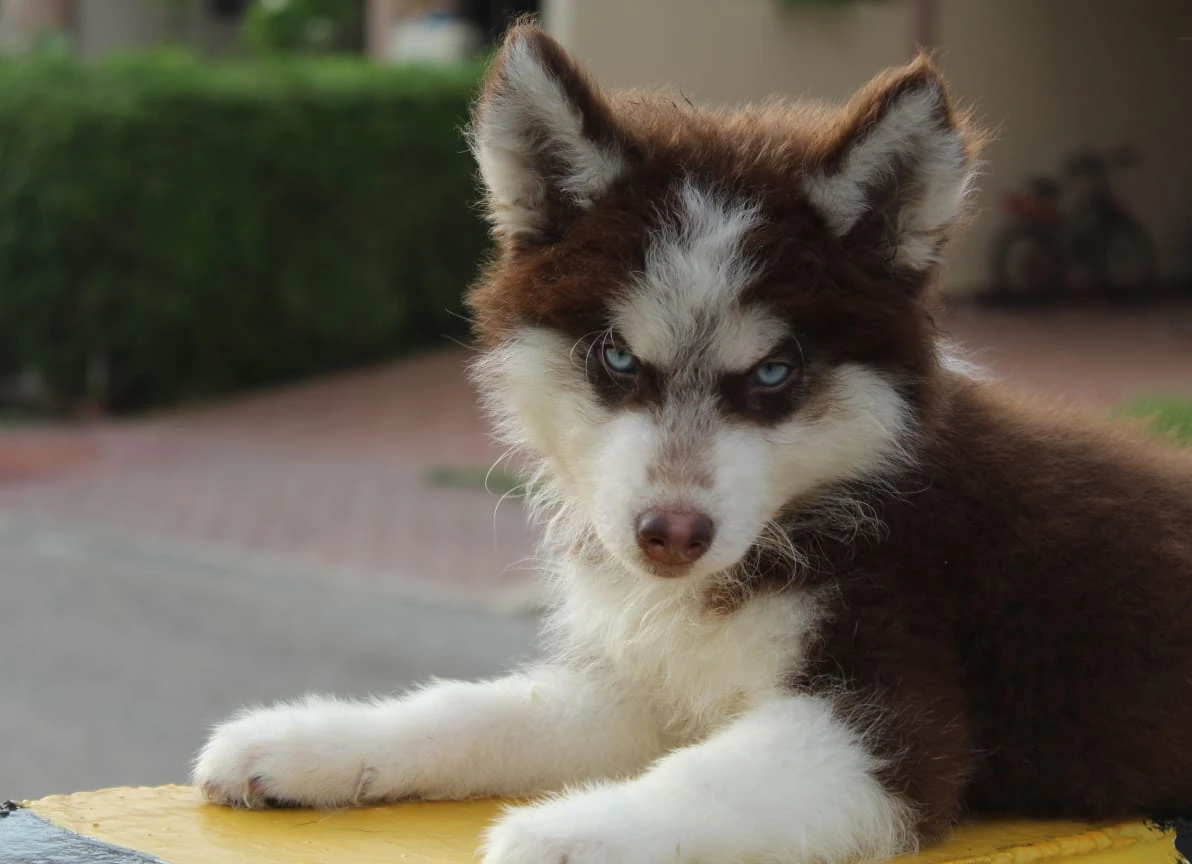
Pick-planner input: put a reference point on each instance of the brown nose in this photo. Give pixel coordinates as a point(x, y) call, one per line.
point(674, 537)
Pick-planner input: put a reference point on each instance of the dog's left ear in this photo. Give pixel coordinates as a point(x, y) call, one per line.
point(894, 175)
point(544, 137)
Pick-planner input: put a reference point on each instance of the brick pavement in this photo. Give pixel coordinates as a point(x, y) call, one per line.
point(332, 475)
point(1087, 357)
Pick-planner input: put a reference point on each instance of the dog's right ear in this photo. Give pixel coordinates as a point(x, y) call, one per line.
point(544, 138)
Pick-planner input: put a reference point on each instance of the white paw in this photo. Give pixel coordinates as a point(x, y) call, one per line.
point(300, 754)
point(594, 827)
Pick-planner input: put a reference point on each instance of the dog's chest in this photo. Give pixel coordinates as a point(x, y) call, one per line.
point(697, 668)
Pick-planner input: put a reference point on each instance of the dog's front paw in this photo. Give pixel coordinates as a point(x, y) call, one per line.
point(594, 827)
point(289, 755)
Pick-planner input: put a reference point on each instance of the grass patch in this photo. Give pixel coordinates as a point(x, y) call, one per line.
point(1164, 416)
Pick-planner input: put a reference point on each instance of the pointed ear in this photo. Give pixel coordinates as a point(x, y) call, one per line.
point(898, 169)
point(543, 136)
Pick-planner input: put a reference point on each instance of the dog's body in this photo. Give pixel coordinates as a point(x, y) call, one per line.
point(817, 591)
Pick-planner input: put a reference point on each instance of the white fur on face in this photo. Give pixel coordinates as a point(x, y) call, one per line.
point(754, 471)
point(683, 316)
point(695, 271)
point(528, 115)
point(535, 389)
point(911, 133)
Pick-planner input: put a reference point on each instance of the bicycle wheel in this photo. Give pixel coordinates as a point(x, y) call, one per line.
point(1126, 268)
point(1026, 266)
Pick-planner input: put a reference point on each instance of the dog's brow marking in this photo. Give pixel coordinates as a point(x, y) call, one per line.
point(696, 268)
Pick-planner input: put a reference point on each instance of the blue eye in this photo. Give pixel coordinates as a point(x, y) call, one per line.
point(619, 360)
point(771, 374)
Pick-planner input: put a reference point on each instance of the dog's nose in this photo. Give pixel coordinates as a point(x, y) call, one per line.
point(674, 537)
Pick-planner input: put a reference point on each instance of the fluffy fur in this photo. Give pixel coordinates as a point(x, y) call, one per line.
point(921, 600)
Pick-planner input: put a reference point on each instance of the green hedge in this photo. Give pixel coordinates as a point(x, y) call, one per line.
point(182, 229)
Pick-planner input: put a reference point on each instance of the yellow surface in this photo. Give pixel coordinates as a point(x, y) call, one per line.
point(169, 823)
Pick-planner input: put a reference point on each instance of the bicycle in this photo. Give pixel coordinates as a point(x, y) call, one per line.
point(1093, 245)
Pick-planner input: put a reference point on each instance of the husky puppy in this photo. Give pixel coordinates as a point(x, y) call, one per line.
point(816, 590)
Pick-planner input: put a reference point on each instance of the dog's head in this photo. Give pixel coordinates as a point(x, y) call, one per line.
point(698, 320)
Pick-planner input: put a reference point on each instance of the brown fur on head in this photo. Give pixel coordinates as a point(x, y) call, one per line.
point(870, 189)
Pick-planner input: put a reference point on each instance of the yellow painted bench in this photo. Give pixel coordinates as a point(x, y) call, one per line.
point(168, 824)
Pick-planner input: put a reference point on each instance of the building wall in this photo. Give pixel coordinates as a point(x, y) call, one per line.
point(733, 51)
point(109, 25)
point(1053, 75)
point(106, 25)
point(1048, 75)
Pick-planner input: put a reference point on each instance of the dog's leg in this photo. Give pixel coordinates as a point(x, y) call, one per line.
point(788, 781)
point(517, 735)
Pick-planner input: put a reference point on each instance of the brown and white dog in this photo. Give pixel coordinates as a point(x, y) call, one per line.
point(817, 591)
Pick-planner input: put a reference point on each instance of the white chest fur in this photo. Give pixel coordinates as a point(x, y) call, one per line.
point(694, 667)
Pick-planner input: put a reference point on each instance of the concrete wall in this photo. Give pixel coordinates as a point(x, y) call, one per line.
point(733, 50)
point(1049, 74)
point(108, 25)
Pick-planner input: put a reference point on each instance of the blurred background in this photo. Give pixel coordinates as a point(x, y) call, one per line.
point(239, 459)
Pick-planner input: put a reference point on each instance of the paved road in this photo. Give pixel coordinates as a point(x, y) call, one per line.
point(116, 655)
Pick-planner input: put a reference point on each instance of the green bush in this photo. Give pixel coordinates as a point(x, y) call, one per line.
point(179, 230)
point(303, 25)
